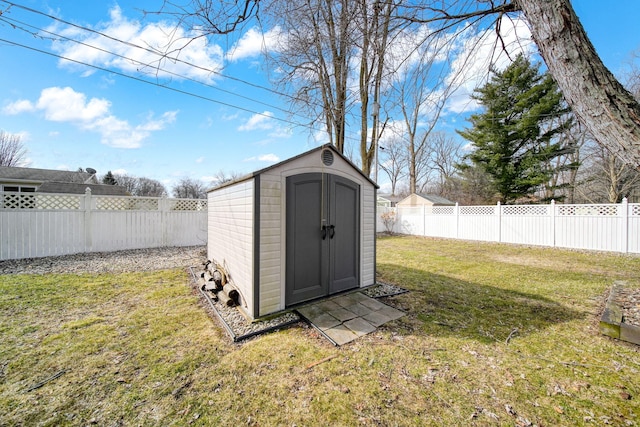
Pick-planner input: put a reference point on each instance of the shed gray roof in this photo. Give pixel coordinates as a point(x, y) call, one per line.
point(321, 147)
point(436, 200)
point(17, 174)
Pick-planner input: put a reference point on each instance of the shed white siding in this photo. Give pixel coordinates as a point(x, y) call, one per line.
point(230, 235)
point(271, 243)
point(368, 247)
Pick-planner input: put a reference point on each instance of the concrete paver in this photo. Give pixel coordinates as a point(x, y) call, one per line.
point(346, 317)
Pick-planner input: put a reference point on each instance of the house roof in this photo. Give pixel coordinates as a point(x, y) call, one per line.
point(392, 198)
point(79, 188)
point(17, 174)
point(436, 200)
point(306, 153)
point(56, 181)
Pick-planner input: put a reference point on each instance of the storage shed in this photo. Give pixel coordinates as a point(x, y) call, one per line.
point(296, 231)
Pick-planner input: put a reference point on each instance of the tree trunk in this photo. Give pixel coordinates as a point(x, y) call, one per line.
point(602, 105)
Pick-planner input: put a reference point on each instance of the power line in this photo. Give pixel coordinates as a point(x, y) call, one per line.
point(61, 37)
point(147, 49)
point(161, 56)
point(138, 79)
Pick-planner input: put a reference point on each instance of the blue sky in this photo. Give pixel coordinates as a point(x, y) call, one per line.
point(71, 115)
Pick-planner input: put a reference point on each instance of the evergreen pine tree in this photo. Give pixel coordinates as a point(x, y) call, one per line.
point(109, 179)
point(516, 136)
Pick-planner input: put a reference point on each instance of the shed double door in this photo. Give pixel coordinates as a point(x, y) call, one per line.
point(323, 236)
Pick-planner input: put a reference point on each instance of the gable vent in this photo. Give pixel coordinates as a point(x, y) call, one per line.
point(327, 157)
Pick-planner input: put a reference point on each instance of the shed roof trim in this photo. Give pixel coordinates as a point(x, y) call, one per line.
point(291, 159)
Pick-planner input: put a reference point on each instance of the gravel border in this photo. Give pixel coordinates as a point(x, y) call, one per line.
point(239, 328)
point(236, 325)
point(131, 260)
point(629, 301)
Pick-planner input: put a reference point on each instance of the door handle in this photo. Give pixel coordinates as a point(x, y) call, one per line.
point(324, 232)
point(332, 231)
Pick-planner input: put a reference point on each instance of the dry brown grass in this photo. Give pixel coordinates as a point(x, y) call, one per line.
point(494, 335)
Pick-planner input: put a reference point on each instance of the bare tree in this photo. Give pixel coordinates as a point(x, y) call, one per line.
point(600, 102)
point(315, 57)
point(606, 109)
point(445, 155)
point(393, 161)
point(606, 178)
point(130, 183)
point(222, 177)
point(12, 150)
point(142, 187)
point(188, 188)
point(148, 187)
point(471, 186)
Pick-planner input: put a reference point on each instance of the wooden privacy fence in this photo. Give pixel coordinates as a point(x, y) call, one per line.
point(38, 224)
point(606, 227)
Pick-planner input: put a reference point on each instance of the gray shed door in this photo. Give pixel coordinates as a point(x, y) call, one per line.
point(323, 236)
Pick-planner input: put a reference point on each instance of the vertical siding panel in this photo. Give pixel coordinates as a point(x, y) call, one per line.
point(230, 234)
point(270, 256)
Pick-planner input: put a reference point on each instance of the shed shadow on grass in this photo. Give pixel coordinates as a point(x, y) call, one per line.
point(439, 305)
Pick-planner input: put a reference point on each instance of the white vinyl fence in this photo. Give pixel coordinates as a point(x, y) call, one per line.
point(606, 227)
point(38, 224)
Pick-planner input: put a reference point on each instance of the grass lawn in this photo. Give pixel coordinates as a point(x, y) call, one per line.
point(494, 335)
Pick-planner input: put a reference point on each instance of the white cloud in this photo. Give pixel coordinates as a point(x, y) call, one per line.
point(253, 43)
point(66, 105)
point(120, 171)
point(269, 158)
point(20, 106)
point(135, 48)
point(262, 121)
point(200, 160)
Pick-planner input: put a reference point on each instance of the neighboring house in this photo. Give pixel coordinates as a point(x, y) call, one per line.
point(388, 200)
point(31, 180)
point(425, 200)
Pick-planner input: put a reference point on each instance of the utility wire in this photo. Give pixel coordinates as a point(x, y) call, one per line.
point(138, 79)
point(162, 56)
point(58, 37)
point(147, 49)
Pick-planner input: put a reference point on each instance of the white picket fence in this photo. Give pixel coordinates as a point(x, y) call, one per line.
point(606, 227)
point(37, 224)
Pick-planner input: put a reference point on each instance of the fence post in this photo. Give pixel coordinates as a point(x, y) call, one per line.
point(424, 220)
point(625, 225)
point(499, 213)
point(88, 238)
point(552, 209)
point(163, 205)
point(456, 213)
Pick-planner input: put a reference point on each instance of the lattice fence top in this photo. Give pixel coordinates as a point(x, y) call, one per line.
point(531, 210)
point(635, 210)
point(47, 201)
point(187, 204)
point(478, 210)
point(587, 210)
point(41, 201)
point(126, 203)
point(443, 210)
